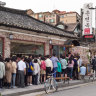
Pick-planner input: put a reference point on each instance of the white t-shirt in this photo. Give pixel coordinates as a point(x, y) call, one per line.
point(21, 65)
point(36, 68)
point(49, 63)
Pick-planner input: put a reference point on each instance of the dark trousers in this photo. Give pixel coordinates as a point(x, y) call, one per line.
point(48, 71)
point(21, 78)
point(75, 73)
point(70, 72)
point(1, 82)
point(58, 74)
point(35, 79)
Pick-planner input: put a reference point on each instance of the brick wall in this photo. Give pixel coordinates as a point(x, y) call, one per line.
point(28, 38)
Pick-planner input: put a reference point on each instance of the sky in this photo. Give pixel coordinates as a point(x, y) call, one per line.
point(49, 5)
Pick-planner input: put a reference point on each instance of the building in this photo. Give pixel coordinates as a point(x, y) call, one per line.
point(70, 17)
point(57, 16)
point(23, 34)
point(52, 18)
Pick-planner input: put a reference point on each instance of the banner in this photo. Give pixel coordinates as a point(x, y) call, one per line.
point(87, 19)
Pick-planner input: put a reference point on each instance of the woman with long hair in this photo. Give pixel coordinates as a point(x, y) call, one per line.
point(70, 67)
point(43, 69)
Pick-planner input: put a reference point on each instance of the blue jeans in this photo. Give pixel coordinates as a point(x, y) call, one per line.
point(54, 71)
point(13, 79)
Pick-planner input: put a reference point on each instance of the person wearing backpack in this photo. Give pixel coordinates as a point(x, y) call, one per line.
point(30, 71)
point(43, 69)
point(59, 70)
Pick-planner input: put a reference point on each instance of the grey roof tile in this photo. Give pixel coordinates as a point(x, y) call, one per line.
point(19, 18)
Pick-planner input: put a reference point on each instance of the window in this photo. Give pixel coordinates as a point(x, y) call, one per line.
point(62, 16)
point(52, 20)
point(40, 15)
point(61, 26)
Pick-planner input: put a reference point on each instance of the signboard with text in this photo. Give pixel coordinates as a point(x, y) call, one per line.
point(87, 19)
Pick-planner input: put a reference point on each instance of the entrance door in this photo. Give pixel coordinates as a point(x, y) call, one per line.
point(55, 50)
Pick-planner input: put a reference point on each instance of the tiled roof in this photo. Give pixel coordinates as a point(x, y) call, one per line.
point(19, 18)
point(71, 27)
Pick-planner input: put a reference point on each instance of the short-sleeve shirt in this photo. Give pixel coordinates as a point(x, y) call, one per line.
point(21, 65)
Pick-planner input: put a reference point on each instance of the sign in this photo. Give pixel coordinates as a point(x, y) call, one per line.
point(87, 19)
point(88, 36)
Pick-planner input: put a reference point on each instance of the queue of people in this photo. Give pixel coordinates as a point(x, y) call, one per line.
point(33, 70)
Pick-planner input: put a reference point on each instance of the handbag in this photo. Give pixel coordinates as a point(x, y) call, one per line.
point(32, 68)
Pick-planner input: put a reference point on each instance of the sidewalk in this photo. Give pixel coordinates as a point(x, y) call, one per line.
point(38, 88)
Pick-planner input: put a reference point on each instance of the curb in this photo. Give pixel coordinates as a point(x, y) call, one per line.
point(42, 89)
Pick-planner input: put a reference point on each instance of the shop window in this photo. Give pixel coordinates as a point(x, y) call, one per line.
point(26, 49)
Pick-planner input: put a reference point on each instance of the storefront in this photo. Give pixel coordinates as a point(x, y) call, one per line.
point(27, 48)
point(29, 36)
point(58, 50)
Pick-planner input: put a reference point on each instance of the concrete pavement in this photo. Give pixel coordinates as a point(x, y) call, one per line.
point(39, 88)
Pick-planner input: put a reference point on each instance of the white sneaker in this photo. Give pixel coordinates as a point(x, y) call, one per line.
point(30, 84)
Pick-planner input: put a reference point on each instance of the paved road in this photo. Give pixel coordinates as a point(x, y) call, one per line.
point(84, 90)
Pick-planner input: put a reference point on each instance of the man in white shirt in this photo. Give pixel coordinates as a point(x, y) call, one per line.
point(36, 71)
point(49, 66)
point(21, 72)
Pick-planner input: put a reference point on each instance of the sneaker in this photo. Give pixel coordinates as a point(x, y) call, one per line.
point(14, 86)
point(30, 84)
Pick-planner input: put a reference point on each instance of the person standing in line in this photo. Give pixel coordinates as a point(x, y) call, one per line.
point(70, 67)
point(2, 72)
point(21, 72)
point(14, 68)
point(94, 65)
point(59, 70)
point(79, 61)
point(54, 61)
point(64, 66)
point(8, 72)
point(43, 69)
point(75, 68)
point(30, 71)
point(26, 75)
point(39, 62)
point(49, 65)
point(36, 71)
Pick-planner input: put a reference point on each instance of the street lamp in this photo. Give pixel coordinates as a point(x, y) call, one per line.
point(50, 41)
point(10, 36)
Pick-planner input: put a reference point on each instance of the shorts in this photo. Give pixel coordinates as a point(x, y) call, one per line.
point(29, 73)
point(43, 72)
point(64, 71)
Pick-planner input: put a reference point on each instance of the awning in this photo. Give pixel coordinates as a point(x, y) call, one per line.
point(72, 41)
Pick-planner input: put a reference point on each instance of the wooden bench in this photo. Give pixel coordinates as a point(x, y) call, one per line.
point(63, 78)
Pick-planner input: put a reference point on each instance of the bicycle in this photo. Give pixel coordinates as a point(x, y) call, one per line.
point(50, 84)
